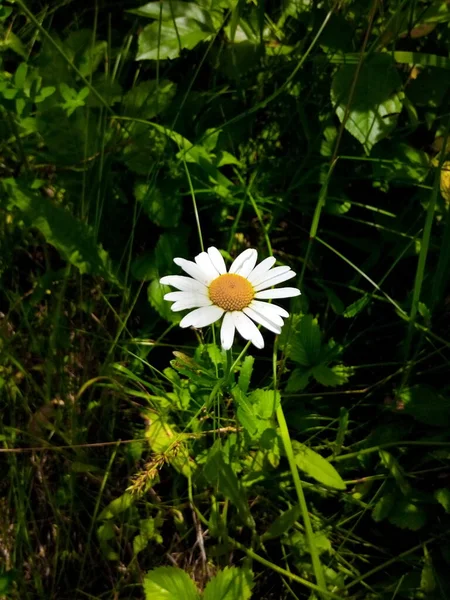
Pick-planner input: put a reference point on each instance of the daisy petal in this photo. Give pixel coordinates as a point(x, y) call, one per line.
point(262, 306)
point(247, 329)
point(175, 296)
point(244, 263)
point(193, 270)
point(263, 320)
point(206, 265)
point(217, 260)
point(288, 292)
point(201, 317)
point(227, 331)
point(190, 303)
point(269, 274)
point(262, 268)
point(186, 284)
point(275, 280)
point(268, 314)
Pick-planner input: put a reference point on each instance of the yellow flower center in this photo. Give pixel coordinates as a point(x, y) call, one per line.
point(231, 292)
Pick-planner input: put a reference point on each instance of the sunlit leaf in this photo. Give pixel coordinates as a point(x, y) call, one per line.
point(372, 109)
point(159, 41)
point(317, 467)
point(169, 583)
point(232, 583)
point(424, 404)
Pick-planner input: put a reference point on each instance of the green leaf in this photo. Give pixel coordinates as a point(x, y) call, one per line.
point(283, 523)
point(384, 506)
point(424, 404)
point(149, 98)
point(265, 402)
point(155, 294)
point(73, 239)
point(163, 210)
point(316, 466)
point(306, 342)
point(299, 379)
point(375, 103)
point(117, 506)
point(246, 373)
point(169, 583)
point(159, 41)
point(408, 515)
point(393, 466)
point(220, 475)
point(232, 583)
point(355, 307)
point(443, 497)
point(164, 439)
point(6, 581)
point(326, 376)
point(168, 11)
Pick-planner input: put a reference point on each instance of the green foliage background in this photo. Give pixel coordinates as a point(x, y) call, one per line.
point(134, 463)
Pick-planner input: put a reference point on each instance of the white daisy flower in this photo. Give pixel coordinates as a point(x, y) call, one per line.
point(236, 295)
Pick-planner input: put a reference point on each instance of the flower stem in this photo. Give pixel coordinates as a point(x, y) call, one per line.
point(228, 369)
point(287, 443)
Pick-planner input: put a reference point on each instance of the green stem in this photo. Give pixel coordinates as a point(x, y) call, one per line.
point(287, 443)
point(229, 367)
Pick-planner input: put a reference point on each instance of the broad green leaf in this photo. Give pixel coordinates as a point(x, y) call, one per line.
point(10, 41)
point(72, 238)
point(384, 506)
point(424, 404)
point(301, 543)
point(164, 440)
point(220, 475)
point(117, 506)
point(246, 373)
point(163, 210)
point(148, 531)
point(393, 466)
point(6, 581)
point(373, 109)
point(149, 98)
point(173, 9)
point(232, 583)
point(305, 342)
point(265, 402)
point(407, 514)
point(326, 376)
point(442, 495)
point(400, 163)
point(317, 467)
point(299, 379)
point(159, 41)
point(155, 294)
point(169, 583)
point(283, 523)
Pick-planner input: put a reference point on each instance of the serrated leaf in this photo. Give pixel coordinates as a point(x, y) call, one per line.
point(283, 523)
point(325, 375)
point(246, 373)
point(443, 497)
point(305, 342)
point(299, 379)
point(220, 475)
point(424, 404)
point(371, 107)
point(73, 239)
point(161, 40)
point(317, 467)
point(232, 583)
point(169, 583)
